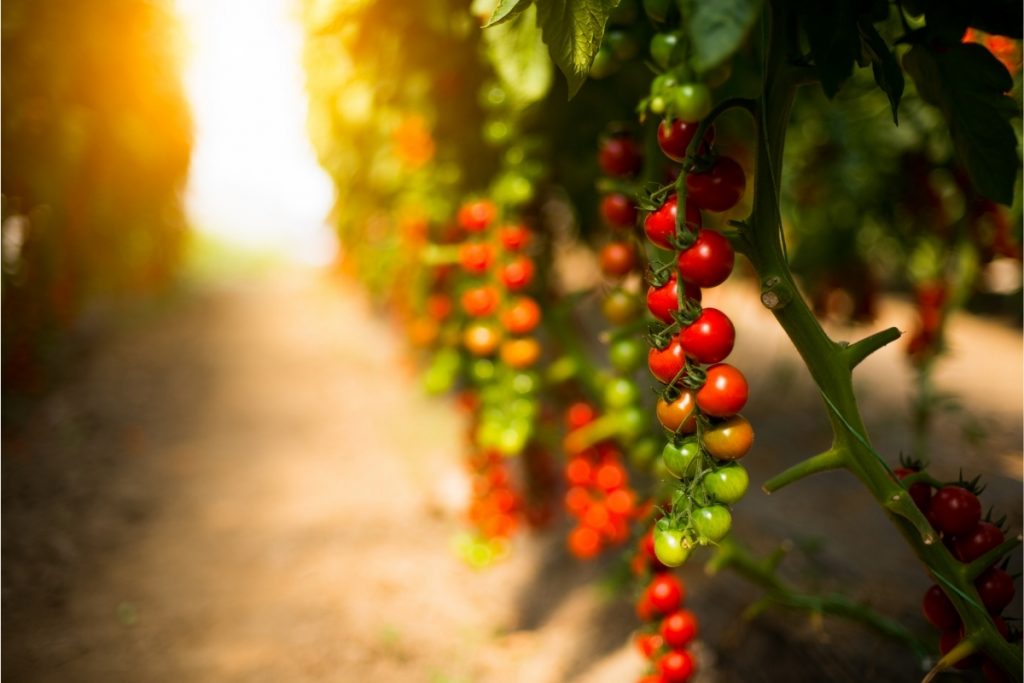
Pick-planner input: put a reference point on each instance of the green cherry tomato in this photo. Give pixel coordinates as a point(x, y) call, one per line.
point(682, 461)
point(692, 101)
point(657, 104)
point(626, 355)
point(633, 422)
point(643, 454)
point(620, 393)
point(657, 10)
point(622, 44)
point(662, 47)
point(603, 64)
point(712, 523)
point(482, 370)
point(727, 484)
point(620, 307)
point(670, 547)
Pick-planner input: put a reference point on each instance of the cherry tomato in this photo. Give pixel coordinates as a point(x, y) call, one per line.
point(983, 537)
point(648, 643)
point(578, 471)
point(677, 666)
point(679, 416)
point(670, 550)
point(620, 307)
point(580, 414)
point(475, 216)
point(476, 257)
point(712, 523)
point(517, 273)
point(692, 101)
point(708, 261)
point(920, 493)
point(621, 502)
point(584, 542)
point(682, 461)
point(618, 259)
point(633, 422)
point(729, 440)
point(948, 640)
point(480, 301)
point(938, 610)
point(679, 628)
point(618, 210)
point(620, 156)
point(667, 364)
point(520, 353)
point(577, 500)
point(660, 224)
point(994, 673)
point(996, 589)
point(514, 237)
point(727, 484)
point(710, 338)
point(724, 393)
point(720, 188)
point(662, 47)
point(675, 135)
point(439, 306)
point(481, 339)
point(626, 354)
point(954, 510)
point(620, 393)
point(663, 301)
point(522, 316)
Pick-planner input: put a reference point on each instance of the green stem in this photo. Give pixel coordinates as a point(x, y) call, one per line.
point(977, 566)
point(858, 351)
point(831, 459)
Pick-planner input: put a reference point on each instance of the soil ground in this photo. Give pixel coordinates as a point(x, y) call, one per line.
point(248, 485)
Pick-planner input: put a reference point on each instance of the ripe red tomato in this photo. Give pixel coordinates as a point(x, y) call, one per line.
point(676, 666)
point(618, 259)
point(708, 261)
point(674, 138)
point(610, 476)
point(648, 643)
point(666, 364)
point(517, 273)
point(665, 593)
point(584, 542)
point(476, 257)
point(618, 210)
point(521, 316)
point(996, 589)
point(710, 338)
point(439, 306)
point(514, 237)
point(729, 440)
point(480, 301)
point(620, 156)
point(577, 500)
point(983, 537)
point(476, 215)
point(948, 640)
point(724, 393)
point(720, 188)
point(660, 225)
point(920, 493)
point(954, 510)
point(580, 414)
point(621, 502)
point(938, 610)
point(678, 416)
point(679, 628)
point(578, 472)
point(663, 301)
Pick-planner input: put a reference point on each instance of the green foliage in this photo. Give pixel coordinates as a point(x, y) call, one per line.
point(718, 29)
point(516, 50)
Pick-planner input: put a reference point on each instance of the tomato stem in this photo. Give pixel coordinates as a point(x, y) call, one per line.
point(832, 459)
point(977, 566)
point(855, 353)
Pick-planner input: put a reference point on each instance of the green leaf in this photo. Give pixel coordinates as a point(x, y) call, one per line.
point(519, 57)
point(887, 71)
point(717, 29)
point(573, 30)
point(831, 30)
point(505, 10)
point(968, 86)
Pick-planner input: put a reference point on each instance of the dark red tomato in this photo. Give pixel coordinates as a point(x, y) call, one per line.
point(724, 393)
point(660, 225)
point(648, 643)
point(920, 493)
point(679, 628)
point(666, 364)
point(475, 216)
point(618, 259)
point(710, 338)
point(663, 301)
point(996, 589)
point(938, 610)
point(983, 537)
point(620, 157)
point(580, 414)
point(954, 510)
point(993, 673)
point(708, 261)
point(948, 640)
point(674, 138)
point(720, 188)
point(517, 273)
point(475, 257)
point(666, 593)
point(514, 237)
point(480, 301)
point(618, 210)
point(676, 666)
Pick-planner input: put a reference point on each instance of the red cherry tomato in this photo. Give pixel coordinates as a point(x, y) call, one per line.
point(666, 593)
point(618, 259)
point(660, 225)
point(708, 261)
point(674, 138)
point(439, 306)
point(475, 216)
point(920, 493)
point(517, 274)
point(522, 316)
point(954, 510)
point(663, 301)
point(729, 440)
point(648, 643)
point(983, 537)
point(948, 640)
point(666, 364)
point(480, 301)
point(580, 414)
point(678, 416)
point(679, 628)
point(724, 393)
point(620, 156)
point(938, 610)
point(514, 237)
point(476, 257)
point(584, 542)
point(720, 188)
point(710, 338)
point(996, 589)
point(618, 210)
point(676, 666)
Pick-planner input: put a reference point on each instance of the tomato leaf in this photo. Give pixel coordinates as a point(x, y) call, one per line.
point(573, 30)
point(519, 57)
point(507, 9)
point(717, 29)
point(968, 85)
point(831, 30)
point(887, 71)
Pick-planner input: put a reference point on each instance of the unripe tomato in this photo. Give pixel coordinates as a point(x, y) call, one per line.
point(712, 523)
point(476, 257)
point(670, 549)
point(481, 339)
point(938, 610)
point(954, 510)
point(604, 63)
point(710, 338)
point(620, 156)
point(626, 354)
point(720, 188)
point(677, 666)
point(680, 415)
point(514, 237)
point(724, 393)
point(622, 44)
point(620, 393)
point(662, 47)
point(729, 440)
point(476, 215)
point(660, 225)
point(692, 101)
point(727, 484)
point(618, 210)
point(682, 461)
point(480, 301)
point(708, 261)
point(663, 301)
point(620, 307)
point(679, 628)
point(618, 259)
point(632, 423)
point(667, 364)
point(520, 353)
point(522, 316)
point(675, 135)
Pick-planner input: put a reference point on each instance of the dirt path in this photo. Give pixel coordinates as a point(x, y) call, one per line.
point(248, 487)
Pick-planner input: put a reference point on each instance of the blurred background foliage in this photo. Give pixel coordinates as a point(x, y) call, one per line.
point(96, 144)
